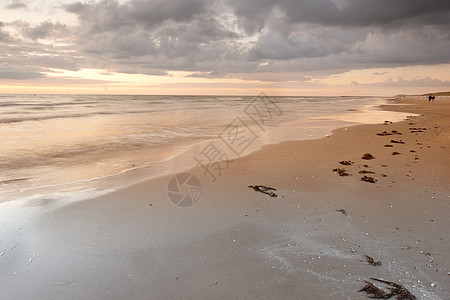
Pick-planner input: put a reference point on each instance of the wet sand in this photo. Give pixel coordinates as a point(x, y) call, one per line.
point(309, 242)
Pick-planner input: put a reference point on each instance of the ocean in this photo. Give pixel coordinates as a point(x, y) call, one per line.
point(70, 146)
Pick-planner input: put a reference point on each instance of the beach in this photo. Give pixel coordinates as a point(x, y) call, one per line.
point(309, 242)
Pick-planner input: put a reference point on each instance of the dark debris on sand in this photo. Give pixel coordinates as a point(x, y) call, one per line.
point(373, 292)
point(366, 172)
point(387, 145)
point(346, 162)
point(395, 153)
point(372, 262)
point(368, 179)
point(384, 133)
point(368, 156)
point(341, 172)
point(342, 211)
point(264, 189)
point(397, 142)
point(395, 289)
point(415, 129)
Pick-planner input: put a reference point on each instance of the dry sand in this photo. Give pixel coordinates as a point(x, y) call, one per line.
point(235, 243)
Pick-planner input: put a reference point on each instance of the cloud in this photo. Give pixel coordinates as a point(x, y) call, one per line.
point(22, 46)
point(225, 38)
point(140, 35)
point(111, 15)
point(152, 13)
point(405, 47)
point(302, 41)
point(192, 35)
point(206, 75)
point(16, 4)
point(4, 36)
point(252, 15)
point(419, 82)
point(8, 71)
point(76, 81)
point(45, 30)
point(383, 13)
point(154, 72)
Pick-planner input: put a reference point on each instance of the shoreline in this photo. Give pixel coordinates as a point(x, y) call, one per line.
point(237, 243)
point(182, 157)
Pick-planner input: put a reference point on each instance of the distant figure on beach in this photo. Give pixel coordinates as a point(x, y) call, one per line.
point(430, 98)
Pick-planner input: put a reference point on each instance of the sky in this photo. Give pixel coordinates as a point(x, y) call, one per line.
point(225, 47)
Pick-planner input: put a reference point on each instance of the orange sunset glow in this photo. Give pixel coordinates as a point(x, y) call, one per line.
point(215, 47)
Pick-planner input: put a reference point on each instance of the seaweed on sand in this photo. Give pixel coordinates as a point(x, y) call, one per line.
point(343, 211)
point(395, 289)
point(368, 179)
point(366, 172)
point(264, 189)
point(341, 172)
point(372, 262)
point(397, 142)
point(368, 156)
point(373, 292)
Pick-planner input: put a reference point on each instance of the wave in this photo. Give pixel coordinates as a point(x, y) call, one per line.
point(7, 120)
point(102, 136)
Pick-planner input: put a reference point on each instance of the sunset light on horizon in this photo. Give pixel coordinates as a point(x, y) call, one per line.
point(327, 47)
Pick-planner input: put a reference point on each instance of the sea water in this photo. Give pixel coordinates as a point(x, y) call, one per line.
point(67, 144)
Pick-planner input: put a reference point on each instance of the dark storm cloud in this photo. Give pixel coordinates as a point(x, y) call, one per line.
point(110, 15)
point(216, 38)
point(303, 41)
point(358, 33)
point(409, 46)
point(152, 13)
point(147, 25)
point(308, 35)
point(156, 34)
point(340, 12)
